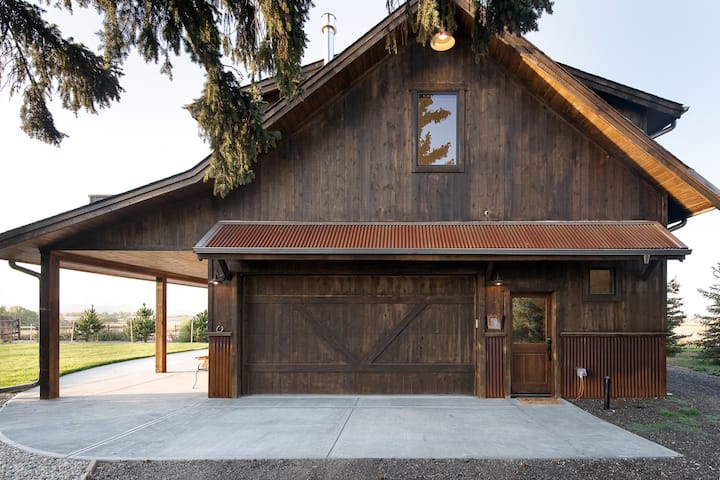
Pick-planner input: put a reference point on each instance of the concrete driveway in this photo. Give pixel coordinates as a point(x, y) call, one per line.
point(125, 411)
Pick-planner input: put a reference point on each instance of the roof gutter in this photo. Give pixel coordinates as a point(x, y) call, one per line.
point(26, 386)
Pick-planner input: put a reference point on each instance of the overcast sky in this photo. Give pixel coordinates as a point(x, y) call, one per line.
point(655, 45)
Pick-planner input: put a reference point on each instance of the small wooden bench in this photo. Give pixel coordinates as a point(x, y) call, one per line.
point(203, 364)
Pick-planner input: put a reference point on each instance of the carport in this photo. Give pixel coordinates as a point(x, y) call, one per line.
point(107, 237)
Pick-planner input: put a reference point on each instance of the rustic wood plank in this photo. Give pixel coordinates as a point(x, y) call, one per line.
point(160, 325)
point(362, 368)
point(327, 335)
point(385, 342)
point(49, 325)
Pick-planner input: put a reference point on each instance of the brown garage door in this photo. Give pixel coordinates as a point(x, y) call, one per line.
point(359, 334)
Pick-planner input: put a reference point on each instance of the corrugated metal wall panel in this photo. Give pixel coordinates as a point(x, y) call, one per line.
point(634, 362)
point(495, 366)
point(220, 369)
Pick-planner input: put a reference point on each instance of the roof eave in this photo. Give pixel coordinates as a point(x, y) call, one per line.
point(659, 164)
point(103, 207)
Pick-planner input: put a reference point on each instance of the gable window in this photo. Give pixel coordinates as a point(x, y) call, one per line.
point(437, 136)
point(601, 282)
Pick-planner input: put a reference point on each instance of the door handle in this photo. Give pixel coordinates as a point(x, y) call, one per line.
point(548, 340)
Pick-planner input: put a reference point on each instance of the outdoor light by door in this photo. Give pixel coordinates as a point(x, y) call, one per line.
point(495, 319)
point(497, 281)
point(442, 41)
point(221, 276)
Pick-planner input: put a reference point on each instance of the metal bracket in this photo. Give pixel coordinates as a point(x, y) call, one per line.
point(227, 274)
point(650, 266)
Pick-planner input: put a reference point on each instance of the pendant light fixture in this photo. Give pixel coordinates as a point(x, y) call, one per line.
point(442, 41)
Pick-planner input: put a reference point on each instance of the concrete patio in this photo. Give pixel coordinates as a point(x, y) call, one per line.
point(126, 411)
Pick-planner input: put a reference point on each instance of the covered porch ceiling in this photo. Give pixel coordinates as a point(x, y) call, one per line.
point(178, 267)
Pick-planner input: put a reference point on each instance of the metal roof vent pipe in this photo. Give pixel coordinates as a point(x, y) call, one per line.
point(328, 30)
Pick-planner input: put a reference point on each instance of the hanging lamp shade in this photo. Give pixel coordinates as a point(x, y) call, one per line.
point(442, 41)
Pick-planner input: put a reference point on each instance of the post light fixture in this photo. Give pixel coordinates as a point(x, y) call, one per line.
point(442, 41)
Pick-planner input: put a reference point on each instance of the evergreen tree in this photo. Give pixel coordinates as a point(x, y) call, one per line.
point(675, 317)
point(143, 323)
point(199, 325)
point(265, 37)
point(710, 341)
point(88, 324)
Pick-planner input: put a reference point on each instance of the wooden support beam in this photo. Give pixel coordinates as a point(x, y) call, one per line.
point(160, 325)
point(74, 258)
point(49, 325)
point(225, 326)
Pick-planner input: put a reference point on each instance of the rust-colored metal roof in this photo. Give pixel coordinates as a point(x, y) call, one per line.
point(475, 238)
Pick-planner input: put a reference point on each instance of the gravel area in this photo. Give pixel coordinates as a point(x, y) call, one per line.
point(18, 464)
point(688, 422)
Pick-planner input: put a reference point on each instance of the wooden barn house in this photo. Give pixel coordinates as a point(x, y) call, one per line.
point(427, 224)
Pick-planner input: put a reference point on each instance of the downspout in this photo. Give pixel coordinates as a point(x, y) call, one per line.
point(678, 225)
point(17, 267)
point(670, 127)
point(666, 129)
point(27, 386)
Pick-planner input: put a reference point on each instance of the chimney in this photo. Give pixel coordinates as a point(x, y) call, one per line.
point(328, 30)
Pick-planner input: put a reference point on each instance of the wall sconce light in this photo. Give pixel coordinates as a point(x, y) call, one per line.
point(497, 281)
point(221, 276)
point(442, 41)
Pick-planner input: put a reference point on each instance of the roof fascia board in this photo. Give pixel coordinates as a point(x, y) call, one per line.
point(626, 92)
point(337, 64)
point(642, 148)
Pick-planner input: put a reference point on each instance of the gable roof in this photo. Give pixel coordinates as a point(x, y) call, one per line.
point(591, 114)
point(660, 111)
point(549, 81)
point(567, 95)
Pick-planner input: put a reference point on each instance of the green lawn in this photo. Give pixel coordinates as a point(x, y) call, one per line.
point(690, 358)
point(20, 360)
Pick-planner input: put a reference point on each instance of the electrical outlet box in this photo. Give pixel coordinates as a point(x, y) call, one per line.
point(581, 372)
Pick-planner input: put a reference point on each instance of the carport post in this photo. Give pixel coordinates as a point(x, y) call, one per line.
point(160, 324)
point(49, 325)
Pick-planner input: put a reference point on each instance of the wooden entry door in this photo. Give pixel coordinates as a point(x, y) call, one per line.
point(531, 361)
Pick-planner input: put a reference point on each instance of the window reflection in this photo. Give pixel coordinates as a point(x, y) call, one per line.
point(528, 319)
point(437, 129)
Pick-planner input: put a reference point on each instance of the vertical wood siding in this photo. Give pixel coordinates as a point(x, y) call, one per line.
point(495, 347)
point(220, 370)
point(635, 363)
point(353, 161)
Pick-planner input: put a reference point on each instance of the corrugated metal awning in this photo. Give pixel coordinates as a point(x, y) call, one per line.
point(585, 238)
